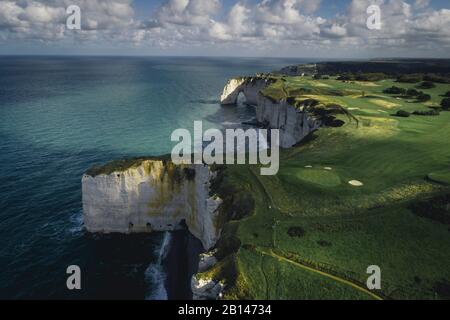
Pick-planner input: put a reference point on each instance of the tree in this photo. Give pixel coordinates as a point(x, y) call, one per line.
point(426, 85)
point(423, 97)
point(412, 93)
point(403, 114)
point(395, 90)
point(445, 104)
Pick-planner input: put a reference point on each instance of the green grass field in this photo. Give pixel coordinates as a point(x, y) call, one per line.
point(348, 228)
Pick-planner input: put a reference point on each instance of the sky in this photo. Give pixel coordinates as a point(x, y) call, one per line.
point(254, 28)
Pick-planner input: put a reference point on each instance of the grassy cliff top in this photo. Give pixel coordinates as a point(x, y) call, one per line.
point(122, 165)
point(347, 227)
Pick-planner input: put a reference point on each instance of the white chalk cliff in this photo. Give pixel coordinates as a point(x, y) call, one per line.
point(249, 86)
point(152, 196)
point(294, 124)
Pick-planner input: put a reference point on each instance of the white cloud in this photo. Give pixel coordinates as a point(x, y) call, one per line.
point(187, 12)
point(45, 20)
point(261, 24)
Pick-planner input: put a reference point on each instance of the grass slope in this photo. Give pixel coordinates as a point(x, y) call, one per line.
point(347, 228)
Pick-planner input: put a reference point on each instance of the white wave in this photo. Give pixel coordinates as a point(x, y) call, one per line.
point(77, 222)
point(229, 123)
point(155, 276)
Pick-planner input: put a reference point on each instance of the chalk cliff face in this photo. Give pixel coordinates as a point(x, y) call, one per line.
point(249, 86)
point(294, 124)
point(152, 196)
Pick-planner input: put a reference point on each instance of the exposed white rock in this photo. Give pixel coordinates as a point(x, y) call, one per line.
point(249, 86)
point(294, 124)
point(206, 289)
point(149, 198)
point(207, 261)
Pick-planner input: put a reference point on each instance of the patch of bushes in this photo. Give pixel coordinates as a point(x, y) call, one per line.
point(430, 77)
point(426, 85)
point(368, 76)
point(445, 104)
point(324, 243)
point(243, 205)
point(410, 78)
point(395, 90)
point(228, 242)
point(426, 113)
point(412, 92)
point(403, 114)
point(447, 94)
point(423, 97)
point(436, 208)
point(333, 123)
point(437, 78)
point(298, 232)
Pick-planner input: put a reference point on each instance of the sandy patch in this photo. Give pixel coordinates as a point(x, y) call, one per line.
point(321, 84)
point(384, 103)
point(308, 167)
point(328, 168)
point(355, 183)
point(367, 84)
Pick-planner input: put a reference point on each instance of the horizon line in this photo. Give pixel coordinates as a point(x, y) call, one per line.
point(225, 57)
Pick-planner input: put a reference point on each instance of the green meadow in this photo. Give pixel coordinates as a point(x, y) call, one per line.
point(313, 233)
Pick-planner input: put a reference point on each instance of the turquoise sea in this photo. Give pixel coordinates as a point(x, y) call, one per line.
point(61, 115)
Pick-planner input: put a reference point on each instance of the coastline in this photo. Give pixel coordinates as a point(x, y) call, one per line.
point(180, 264)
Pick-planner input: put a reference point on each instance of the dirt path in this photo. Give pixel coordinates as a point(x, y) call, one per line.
point(333, 277)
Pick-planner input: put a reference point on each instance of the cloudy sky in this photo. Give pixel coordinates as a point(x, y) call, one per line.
point(269, 28)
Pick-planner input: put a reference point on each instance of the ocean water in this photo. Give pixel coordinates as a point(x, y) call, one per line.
point(61, 115)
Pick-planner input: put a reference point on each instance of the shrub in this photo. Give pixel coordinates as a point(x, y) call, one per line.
point(243, 205)
point(447, 94)
point(394, 90)
point(426, 85)
point(426, 113)
point(345, 77)
point(423, 97)
point(370, 76)
point(410, 78)
point(437, 78)
point(437, 208)
point(413, 93)
point(324, 243)
point(296, 232)
point(445, 104)
point(403, 114)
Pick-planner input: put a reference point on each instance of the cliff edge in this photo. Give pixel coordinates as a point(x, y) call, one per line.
point(294, 123)
point(151, 195)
